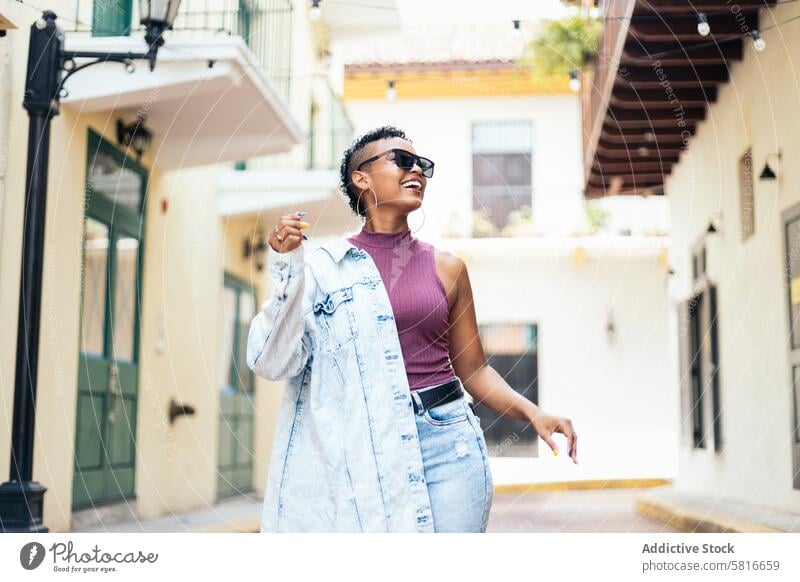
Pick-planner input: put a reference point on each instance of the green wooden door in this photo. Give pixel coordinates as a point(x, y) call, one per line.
point(108, 371)
point(236, 391)
point(111, 17)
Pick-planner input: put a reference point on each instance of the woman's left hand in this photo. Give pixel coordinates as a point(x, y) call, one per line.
point(546, 424)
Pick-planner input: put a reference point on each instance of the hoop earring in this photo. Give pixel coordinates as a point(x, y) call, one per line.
point(423, 220)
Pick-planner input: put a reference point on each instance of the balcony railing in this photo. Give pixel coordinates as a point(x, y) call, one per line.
point(329, 133)
point(265, 25)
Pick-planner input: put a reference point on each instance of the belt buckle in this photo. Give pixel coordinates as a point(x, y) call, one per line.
point(420, 407)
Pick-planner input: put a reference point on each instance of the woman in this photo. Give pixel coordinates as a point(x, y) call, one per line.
point(435, 326)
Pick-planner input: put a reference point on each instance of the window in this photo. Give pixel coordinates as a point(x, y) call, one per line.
point(699, 360)
point(111, 17)
point(511, 350)
point(501, 175)
point(746, 200)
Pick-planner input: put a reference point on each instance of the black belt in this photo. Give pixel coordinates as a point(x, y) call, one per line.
point(437, 395)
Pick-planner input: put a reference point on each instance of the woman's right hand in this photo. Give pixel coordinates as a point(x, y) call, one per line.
point(287, 234)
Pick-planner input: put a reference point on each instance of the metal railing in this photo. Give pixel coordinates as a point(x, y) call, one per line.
point(330, 132)
point(265, 25)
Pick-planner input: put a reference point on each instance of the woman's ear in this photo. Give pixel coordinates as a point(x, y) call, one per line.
point(360, 180)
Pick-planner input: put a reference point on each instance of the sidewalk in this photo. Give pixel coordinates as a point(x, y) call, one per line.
point(238, 515)
point(699, 514)
point(654, 499)
point(243, 514)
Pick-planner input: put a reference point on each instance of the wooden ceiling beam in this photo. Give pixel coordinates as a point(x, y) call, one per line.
point(673, 77)
point(682, 28)
point(657, 98)
point(683, 7)
point(643, 180)
point(664, 118)
point(655, 135)
point(633, 167)
point(632, 151)
point(685, 54)
point(653, 157)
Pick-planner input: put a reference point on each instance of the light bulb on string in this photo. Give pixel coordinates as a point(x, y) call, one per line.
point(315, 11)
point(391, 92)
point(703, 28)
point(574, 81)
point(758, 42)
point(517, 33)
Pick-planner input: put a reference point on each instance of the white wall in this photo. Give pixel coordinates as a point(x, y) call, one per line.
point(619, 395)
point(441, 130)
point(757, 108)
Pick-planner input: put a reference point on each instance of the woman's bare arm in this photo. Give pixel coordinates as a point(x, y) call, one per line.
point(482, 381)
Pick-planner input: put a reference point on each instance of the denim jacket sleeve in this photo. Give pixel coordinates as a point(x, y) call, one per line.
point(280, 340)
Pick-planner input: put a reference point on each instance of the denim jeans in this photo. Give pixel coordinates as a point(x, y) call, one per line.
point(456, 465)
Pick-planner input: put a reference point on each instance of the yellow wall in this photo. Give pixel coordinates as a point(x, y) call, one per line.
point(455, 83)
point(186, 251)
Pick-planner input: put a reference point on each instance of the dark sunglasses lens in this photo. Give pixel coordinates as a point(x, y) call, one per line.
point(427, 167)
point(404, 160)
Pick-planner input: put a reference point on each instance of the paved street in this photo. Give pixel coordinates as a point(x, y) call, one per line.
point(609, 511)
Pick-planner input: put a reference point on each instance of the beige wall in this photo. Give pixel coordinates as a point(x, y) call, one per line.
point(186, 250)
point(757, 108)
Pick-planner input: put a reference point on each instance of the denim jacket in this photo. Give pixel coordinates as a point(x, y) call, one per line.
point(346, 454)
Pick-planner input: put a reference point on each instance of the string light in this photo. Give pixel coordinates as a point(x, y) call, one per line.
point(758, 42)
point(703, 28)
point(391, 92)
point(574, 81)
point(517, 33)
point(685, 50)
point(315, 11)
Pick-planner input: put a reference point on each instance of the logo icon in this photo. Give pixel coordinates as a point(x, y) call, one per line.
point(31, 555)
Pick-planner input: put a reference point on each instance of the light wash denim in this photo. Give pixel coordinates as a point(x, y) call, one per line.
point(347, 456)
point(456, 467)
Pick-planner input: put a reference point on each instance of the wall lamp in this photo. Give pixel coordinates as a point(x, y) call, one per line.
point(135, 135)
point(768, 173)
point(50, 64)
point(257, 247)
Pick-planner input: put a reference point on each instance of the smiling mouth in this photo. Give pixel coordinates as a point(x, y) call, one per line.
point(413, 185)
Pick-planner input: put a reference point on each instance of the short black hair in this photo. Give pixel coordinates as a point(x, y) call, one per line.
point(352, 154)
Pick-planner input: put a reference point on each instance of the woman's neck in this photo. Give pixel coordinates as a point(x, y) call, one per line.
point(386, 226)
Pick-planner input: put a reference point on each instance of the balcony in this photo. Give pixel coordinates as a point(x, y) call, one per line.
point(308, 174)
point(654, 77)
point(220, 89)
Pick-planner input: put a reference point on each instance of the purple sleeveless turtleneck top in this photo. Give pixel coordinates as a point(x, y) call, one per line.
point(407, 267)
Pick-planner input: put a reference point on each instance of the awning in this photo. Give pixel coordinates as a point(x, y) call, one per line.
point(207, 101)
point(656, 75)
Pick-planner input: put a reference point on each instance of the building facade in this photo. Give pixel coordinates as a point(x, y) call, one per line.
point(153, 264)
point(574, 319)
point(713, 127)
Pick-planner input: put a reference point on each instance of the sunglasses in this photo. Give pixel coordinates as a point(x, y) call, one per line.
point(405, 160)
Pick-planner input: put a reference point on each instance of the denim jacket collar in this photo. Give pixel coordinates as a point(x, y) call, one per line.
point(338, 248)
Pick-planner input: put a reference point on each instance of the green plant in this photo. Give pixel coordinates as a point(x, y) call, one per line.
point(520, 222)
point(597, 216)
point(482, 225)
point(564, 45)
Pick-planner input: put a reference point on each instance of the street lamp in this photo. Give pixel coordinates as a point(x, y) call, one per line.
point(49, 66)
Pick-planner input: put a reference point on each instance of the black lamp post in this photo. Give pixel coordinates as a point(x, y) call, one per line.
point(49, 65)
